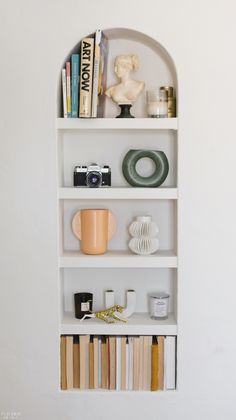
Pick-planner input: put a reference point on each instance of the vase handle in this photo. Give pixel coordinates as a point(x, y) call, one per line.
point(112, 225)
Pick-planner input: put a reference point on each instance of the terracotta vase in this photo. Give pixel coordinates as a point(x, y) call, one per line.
point(94, 228)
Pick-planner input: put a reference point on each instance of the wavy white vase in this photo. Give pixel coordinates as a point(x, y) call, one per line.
point(143, 226)
point(143, 230)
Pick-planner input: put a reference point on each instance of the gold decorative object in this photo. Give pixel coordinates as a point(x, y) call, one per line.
point(109, 315)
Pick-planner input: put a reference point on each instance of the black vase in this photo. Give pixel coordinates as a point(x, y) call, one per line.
point(125, 111)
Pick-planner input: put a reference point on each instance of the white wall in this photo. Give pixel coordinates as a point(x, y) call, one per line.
point(35, 38)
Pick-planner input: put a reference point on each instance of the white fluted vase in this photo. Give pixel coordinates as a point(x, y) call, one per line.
point(143, 231)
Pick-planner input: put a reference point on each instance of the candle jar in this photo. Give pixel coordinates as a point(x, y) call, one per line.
point(157, 106)
point(159, 303)
point(171, 102)
point(83, 304)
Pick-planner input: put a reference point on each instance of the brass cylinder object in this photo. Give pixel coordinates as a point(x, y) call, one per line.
point(170, 100)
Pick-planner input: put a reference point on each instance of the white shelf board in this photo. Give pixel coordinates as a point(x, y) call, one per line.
point(118, 193)
point(118, 259)
point(137, 324)
point(117, 123)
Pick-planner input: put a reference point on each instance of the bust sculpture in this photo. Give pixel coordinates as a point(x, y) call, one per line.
point(127, 91)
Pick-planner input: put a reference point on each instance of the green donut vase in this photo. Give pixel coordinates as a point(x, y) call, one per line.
point(156, 179)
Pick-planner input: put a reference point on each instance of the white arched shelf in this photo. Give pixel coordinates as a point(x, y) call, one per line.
point(157, 67)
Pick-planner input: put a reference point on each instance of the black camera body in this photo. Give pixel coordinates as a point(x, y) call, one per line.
point(92, 176)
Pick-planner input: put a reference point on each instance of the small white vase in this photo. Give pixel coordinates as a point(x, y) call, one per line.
point(143, 226)
point(143, 230)
point(144, 245)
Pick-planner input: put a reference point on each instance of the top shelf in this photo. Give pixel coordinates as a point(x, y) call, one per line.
point(117, 124)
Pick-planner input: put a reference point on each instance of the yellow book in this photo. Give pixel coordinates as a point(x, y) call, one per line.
point(154, 374)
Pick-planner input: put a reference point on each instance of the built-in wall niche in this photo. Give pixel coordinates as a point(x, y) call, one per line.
point(156, 66)
point(163, 212)
point(109, 147)
point(143, 281)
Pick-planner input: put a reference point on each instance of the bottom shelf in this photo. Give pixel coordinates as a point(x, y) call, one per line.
point(118, 363)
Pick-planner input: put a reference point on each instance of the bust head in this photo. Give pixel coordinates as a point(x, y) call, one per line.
point(124, 64)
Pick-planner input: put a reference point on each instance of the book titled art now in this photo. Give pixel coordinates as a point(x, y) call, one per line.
point(118, 363)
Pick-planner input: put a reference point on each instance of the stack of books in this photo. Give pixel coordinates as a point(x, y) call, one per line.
point(121, 363)
point(84, 79)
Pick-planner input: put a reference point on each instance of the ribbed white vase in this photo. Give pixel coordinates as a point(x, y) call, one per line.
point(143, 230)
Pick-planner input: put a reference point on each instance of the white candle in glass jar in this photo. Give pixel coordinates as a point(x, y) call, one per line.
point(157, 105)
point(159, 303)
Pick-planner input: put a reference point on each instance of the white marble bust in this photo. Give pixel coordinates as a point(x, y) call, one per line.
point(128, 90)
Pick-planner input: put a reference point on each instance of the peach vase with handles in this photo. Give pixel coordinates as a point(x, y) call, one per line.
point(94, 228)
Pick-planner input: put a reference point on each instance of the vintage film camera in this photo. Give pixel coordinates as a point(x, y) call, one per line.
point(92, 176)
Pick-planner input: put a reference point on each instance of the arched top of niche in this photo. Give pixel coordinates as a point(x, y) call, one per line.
point(156, 69)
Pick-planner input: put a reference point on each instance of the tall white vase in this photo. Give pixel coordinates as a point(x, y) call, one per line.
point(144, 232)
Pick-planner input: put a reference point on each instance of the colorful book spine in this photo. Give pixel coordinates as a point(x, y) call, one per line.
point(64, 96)
point(68, 88)
point(99, 74)
point(86, 77)
point(75, 59)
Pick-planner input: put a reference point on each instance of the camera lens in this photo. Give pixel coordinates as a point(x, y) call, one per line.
point(94, 179)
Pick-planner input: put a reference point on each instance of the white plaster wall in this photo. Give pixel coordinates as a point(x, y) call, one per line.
point(35, 38)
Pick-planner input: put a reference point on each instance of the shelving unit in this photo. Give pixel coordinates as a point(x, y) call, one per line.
point(105, 141)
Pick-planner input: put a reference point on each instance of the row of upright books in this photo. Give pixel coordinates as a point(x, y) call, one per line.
point(122, 363)
point(84, 79)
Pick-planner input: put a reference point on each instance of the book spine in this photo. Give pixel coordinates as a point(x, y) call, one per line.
point(141, 362)
point(154, 378)
point(127, 364)
point(131, 371)
point(123, 363)
point(64, 97)
point(95, 350)
point(118, 363)
point(136, 363)
point(112, 364)
point(84, 361)
point(96, 72)
point(76, 374)
point(63, 363)
point(68, 89)
point(99, 362)
point(69, 362)
point(169, 362)
point(75, 85)
point(160, 372)
point(91, 364)
point(86, 77)
point(104, 364)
